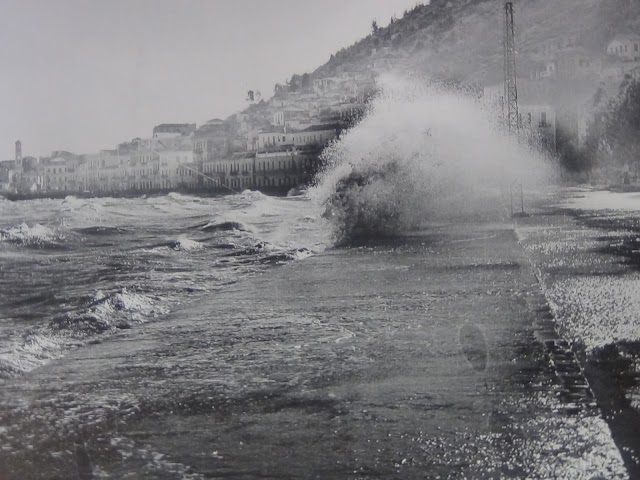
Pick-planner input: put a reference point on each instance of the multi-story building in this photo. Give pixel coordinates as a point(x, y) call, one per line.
point(62, 172)
point(177, 167)
point(287, 168)
point(210, 142)
point(8, 176)
point(32, 179)
point(314, 135)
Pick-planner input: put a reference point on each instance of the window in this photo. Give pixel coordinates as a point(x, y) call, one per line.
point(637, 47)
point(543, 119)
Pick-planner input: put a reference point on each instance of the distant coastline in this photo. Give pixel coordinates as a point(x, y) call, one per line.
point(201, 192)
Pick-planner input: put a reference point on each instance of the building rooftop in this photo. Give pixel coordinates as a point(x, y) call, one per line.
point(326, 126)
point(625, 37)
point(272, 129)
point(180, 128)
point(8, 164)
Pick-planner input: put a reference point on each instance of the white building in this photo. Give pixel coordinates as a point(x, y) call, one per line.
point(626, 47)
point(314, 135)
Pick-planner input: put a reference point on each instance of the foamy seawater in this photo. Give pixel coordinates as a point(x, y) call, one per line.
point(74, 270)
point(424, 152)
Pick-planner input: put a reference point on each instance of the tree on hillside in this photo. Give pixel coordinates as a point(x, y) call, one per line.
point(306, 80)
point(614, 132)
point(295, 83)
point(374, 27)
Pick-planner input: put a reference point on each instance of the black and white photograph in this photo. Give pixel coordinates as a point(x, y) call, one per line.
point(333, 239)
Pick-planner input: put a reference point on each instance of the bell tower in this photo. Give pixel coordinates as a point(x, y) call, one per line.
point(18, 153)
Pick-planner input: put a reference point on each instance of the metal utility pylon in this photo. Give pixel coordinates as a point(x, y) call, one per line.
point(510, 86)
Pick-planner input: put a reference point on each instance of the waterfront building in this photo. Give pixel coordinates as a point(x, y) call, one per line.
point(8, 175)
point(210, 142)
point(31, 181)
point(176, 164)
point(61, 172)
point(290, 167)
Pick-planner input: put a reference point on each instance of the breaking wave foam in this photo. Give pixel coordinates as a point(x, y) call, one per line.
point(422, 152)
point(36, 235)
point(105, 313)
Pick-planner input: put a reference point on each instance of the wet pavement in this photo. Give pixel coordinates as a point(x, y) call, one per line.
point(430, 356)
point(583, 244)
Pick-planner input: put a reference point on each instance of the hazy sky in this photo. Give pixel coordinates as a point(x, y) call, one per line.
point(83, 75)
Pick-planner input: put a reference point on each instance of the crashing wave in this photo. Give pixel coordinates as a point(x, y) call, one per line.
point(186, 245)
point(368, 202)
point(109, 312)
point(105, 313)
point(422, 152)
point(37, 235)
point(253, 195)
point(225, 226)
point(178, 197)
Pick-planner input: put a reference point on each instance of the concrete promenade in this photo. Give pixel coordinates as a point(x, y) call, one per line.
point(430, 356)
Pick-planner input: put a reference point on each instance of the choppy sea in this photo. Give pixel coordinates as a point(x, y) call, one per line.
point(75, 270)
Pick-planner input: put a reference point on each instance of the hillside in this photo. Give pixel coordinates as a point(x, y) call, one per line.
point(462, 38)
point(565, 63)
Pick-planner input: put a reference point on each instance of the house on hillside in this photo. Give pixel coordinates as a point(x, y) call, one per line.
point(576, 62)
point(545, 70)
point(323, 85)
point(550, 48)
point(625, 47)
point(290, 117)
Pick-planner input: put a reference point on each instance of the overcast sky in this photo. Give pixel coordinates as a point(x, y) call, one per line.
point(84, 75)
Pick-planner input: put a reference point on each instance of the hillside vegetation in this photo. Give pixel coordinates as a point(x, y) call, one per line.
point(462, 39)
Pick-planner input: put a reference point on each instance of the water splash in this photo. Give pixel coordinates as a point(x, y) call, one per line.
point(422, 152)
point(36, 235)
